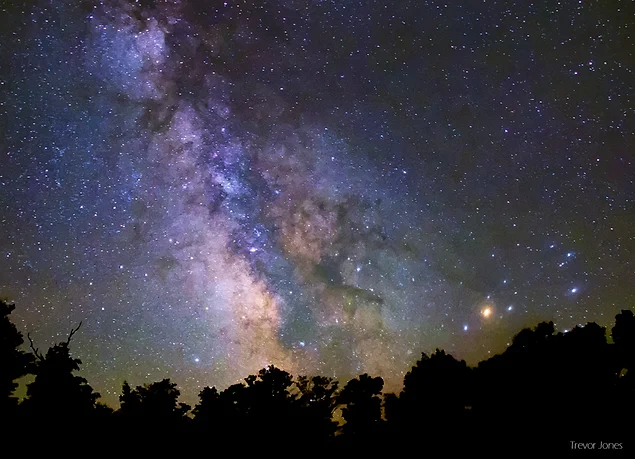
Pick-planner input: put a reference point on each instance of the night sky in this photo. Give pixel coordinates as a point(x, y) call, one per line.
point(332, 187)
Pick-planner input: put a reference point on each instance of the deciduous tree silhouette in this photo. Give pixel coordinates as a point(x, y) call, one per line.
point(361, 409)
point(14, 363)
point(271, 404)
point(563, 380)
point(436, 392)
point(153, 405)
point(207, 412)
point(151, 419)
point(435, 399)
point(623, 334)
point(56, 394)
point(438, 384)
point(267, 407)
point(315, 405)
point(546, 386)
point(223, 415)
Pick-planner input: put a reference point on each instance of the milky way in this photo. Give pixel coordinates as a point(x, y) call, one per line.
point(331, 187)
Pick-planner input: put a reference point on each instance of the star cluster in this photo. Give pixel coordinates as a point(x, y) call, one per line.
point(329, 186)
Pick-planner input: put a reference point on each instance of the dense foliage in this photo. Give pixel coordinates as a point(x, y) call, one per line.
point(546, 390)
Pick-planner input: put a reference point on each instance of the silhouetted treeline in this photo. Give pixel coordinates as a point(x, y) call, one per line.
point(546, 390)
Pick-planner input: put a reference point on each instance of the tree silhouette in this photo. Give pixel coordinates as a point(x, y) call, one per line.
point(438, 384)
point(560, 385)
point(527, 340)
point(436, 397)
point(14, 363)
point(271, 388)
point(436, 392)
point(206, 412)
point(564, 380)
point(315, 405)
point(392, 410)
point(361, 409)
point(154, 405)
point(584, 377)
point(56, 394)
point(623, 334)
point(270, 406)
point(225, 415)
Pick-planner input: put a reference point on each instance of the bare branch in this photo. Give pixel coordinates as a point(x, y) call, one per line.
point(33, 348)
point(72, 333)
